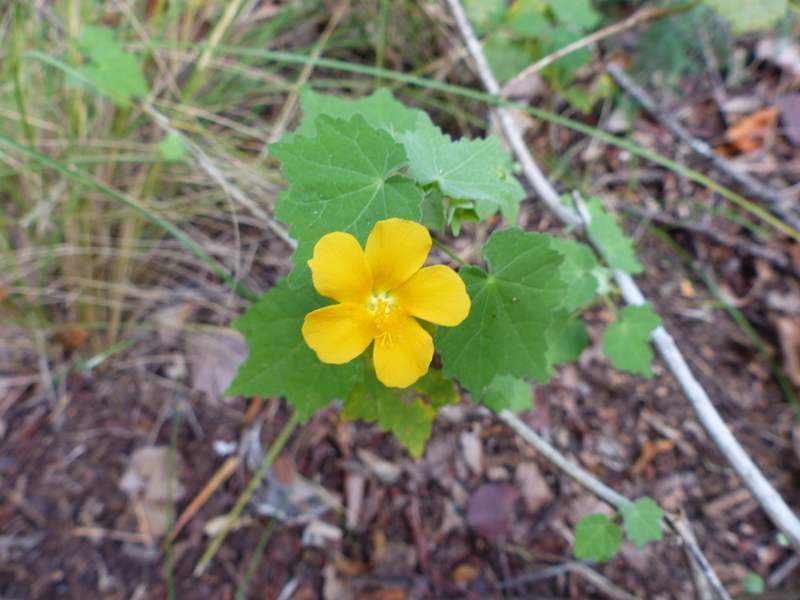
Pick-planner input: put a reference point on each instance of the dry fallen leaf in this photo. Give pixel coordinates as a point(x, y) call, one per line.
point(748, 135)
point(649, 452)
point(491, 510)
point(214, 360)
point(386, 471)
point(465, 573)
point(171, 320)
point(471, 445)
point(534, 487)
point(147, 481)
point(74, 338)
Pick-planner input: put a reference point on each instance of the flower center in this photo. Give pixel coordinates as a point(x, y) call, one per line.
point(385, 313)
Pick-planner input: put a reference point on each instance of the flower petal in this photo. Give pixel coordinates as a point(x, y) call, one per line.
point(340, 269)
point(339, 333)
point(403, 357)
point(436, 294)
point(396, 249)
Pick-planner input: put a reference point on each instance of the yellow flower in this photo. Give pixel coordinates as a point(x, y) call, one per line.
point(381, 292)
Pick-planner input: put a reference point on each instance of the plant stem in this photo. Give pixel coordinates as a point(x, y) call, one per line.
point(449, 252)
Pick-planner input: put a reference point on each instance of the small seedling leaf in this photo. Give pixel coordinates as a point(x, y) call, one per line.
point(753, 584)
point(627, 340)
point(615, 246)
point(597, 538)
point(746, 15)
point(172, 147)
point(114, 72)
point(642, 521)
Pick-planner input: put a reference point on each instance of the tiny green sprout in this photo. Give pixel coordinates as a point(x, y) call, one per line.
point(753, 584)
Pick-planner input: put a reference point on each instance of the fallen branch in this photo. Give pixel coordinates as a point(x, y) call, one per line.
point(772, 503)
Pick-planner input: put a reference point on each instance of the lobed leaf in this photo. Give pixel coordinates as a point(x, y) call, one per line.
point(408, 413)
point(597, 538)
point(566, 338)
point(627, 341)
point(380, 109)
point(642, 521)
point(344, 179)
point(280, 363)
point(507, 391)
point(615, 246)
point(477, 170)
point(577, 271)
point(512, 308)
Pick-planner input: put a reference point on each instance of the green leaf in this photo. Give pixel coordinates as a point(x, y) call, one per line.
point(481, 12)
point(563, 70)
point(465, 169)
point(506, 56)
point(577, 271)
point(746, 15)
point(434, 212)
point(279, 362)
point(408, 413)
point(507, 391)
point(512, 307)
point(380, 110)
point(172, 147)
point(597, 538)
point(753, 584)
point(616, 247)
point(527, 17)
point(566, 338)
point(626, 341)
point(642, 521)
point(344, 179)
point(580, 13)
point(114, 72)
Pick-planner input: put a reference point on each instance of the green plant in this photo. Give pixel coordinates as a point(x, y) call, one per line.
point(598, 536)
point(529, 30)
point(352, 164)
